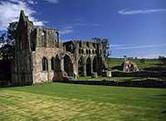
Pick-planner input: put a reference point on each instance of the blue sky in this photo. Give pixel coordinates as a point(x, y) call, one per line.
point(134, 27)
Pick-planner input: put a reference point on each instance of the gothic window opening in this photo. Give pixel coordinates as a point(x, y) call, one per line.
point(44, 64)
point(88, 66)
point(95, 64)
point(87, 51)
point(94, 45)
point(68, 65)
point(57, 64)
point(43, 38)
point(87, 44)
point(80, 66)
point(80, 44)
point(52, 63)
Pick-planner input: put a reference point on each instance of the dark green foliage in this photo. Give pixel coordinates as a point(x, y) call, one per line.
point(106, 45)
point(7, 51)
point(8, 38)
point(11, 33)
point(142, 61)
point(162, 59)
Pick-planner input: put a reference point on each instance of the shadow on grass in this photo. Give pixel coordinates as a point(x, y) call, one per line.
point(157, 67)
point(162, 95)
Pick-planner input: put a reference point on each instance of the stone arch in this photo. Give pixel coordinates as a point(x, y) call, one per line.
point(44, 64)
point(52, 63)
point(101, 67)
point(57, 69)
point(69, 55)
point(88, 66)
point(68, 65)
point(95, 64)
point(87, 51)
point(57, 63)
point(93, 51)
point(81, 66)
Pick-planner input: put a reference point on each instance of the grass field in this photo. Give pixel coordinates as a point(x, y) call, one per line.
point(68, 102)
point(148, 63)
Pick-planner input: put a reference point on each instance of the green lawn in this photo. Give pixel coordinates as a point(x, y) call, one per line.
point(56, 102)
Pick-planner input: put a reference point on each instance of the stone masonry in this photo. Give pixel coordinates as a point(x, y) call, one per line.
point(40, 56)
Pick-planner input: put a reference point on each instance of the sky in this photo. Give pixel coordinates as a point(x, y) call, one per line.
point(135, 28)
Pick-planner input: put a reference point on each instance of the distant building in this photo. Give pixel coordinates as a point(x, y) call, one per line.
point(41, 57)
point(129, 66)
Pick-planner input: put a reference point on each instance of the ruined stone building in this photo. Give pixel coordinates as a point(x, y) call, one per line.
point(40, 56)
point(129, 66)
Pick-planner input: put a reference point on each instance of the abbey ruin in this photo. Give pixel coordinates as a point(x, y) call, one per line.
point(40, 56)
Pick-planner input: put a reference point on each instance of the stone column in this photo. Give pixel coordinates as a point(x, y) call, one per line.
point(84, 69)
point(62, 64)
point(91, 67)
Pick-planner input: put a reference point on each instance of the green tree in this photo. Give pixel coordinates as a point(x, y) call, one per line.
point(106, 46)
point(142, 60)
point(162, 59)
point(8, 39)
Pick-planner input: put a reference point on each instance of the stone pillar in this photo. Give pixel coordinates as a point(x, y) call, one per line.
point(49, 69)
point(75, 70)
point(62, 64)
point(84, 69)
point(91, 67)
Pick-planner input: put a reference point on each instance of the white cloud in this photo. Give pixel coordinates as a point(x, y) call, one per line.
point(86, 24)
point(32, 2)
point(151, 56)
point(52, 1)
point(127, 47)
point(133, 12)
point(116, 45)
point(66, 30)
point(10, 10)
point(70, 28)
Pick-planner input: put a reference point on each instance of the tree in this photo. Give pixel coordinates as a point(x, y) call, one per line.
point(162, 59)
point(142, 60)
point(106, 46)
point(3, 37)
point(11, 33)
point(8, 39)
point(7, 52)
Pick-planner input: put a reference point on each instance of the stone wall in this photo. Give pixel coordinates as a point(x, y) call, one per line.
point(89, 56)
point(38, 48)
point(38, 74)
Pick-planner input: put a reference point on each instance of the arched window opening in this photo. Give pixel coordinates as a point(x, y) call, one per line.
point(44, 64)
point(80, 44)
point(94, 45)
point(87, 44)
point(52, 63)
point(88, 67)
point(80, 67)
point(95, 64)
point(43, 38)
point(57, 64)
point(79, 51)
point(68, 65)
point(87, 51)
point(82, 51)
point(93, 51)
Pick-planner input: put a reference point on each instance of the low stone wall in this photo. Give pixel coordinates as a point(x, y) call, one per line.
point(147, 83)
point(139, 74)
